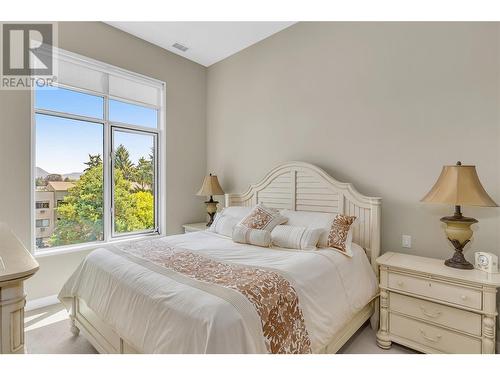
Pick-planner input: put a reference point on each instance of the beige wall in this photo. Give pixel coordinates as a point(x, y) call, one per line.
point(186, 165)
point(381, 105)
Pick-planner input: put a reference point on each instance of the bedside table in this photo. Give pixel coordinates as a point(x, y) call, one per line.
point(195, 227)
point(433, 308)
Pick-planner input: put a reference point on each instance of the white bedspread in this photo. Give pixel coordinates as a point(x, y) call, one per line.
point(157, 314)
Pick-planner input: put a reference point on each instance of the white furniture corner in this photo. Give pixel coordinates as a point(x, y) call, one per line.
point(195, 227)
point(296, 186)
point(433, 308)
point(16, 265)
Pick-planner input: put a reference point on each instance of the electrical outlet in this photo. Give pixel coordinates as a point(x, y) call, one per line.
point(406, 241)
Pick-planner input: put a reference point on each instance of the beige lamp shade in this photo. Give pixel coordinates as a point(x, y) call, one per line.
point(459, 185)
point(210, 186)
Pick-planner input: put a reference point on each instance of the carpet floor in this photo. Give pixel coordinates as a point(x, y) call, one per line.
point(47, 332)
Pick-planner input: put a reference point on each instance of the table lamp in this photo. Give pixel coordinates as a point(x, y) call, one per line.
point(210, 187)
point(459, 185)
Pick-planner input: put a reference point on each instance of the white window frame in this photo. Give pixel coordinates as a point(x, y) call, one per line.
point(108, 126)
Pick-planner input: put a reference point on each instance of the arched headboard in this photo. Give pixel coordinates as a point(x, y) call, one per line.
point(304, 187)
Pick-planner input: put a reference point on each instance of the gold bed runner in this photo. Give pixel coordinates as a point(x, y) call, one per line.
point(274, 299)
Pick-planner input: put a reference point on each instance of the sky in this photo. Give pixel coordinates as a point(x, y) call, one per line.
point(64, 145)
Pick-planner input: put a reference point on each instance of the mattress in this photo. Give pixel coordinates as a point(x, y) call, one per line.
point(158, 313)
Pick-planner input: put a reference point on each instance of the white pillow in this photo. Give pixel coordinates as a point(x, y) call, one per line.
point(262, 217)
point(311, 220)
point(292, 237)
point(257, 237)
point(224, 224)
point(237, 211)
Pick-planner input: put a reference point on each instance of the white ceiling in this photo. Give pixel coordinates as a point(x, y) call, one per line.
point(208, 42)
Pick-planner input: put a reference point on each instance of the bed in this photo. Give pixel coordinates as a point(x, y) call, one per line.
point(123, 299)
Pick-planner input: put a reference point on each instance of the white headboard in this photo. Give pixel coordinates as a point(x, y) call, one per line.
point(304, 187)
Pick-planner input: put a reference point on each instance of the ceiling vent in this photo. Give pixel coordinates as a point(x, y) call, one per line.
point(180, 47)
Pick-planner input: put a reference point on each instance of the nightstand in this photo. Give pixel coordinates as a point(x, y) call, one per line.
point(433, 308)
point(195, 227)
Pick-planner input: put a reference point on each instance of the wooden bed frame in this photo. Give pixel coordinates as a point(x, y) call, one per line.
point(295, 186)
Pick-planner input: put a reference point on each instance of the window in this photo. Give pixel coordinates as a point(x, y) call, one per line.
point(42, 205)
point(69, 101)
point(69, 148)
point(132, 114)
point(133, 180)
point(97, 157)
point(42, 223)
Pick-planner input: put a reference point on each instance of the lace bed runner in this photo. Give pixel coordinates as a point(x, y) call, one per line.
point(273, 297)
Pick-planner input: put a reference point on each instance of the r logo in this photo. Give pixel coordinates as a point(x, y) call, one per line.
point(27, 49)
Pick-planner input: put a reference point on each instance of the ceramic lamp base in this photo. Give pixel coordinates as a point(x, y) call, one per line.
point(458, 261)
point(211, 210)
point(459, 234)
point(210, 222)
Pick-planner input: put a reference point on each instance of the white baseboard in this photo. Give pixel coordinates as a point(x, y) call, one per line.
point(41, 302)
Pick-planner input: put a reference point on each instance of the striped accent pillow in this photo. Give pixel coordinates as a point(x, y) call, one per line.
point(257, 237)
point(224, 224)
point(292, 237)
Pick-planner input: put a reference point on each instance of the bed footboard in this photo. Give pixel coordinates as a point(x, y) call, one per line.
point(106, 341)
point(102, 337)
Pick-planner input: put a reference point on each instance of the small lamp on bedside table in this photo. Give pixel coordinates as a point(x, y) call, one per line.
point(211, 187)
point(459, 185)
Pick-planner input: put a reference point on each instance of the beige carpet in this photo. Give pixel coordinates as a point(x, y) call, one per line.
point(47, 332)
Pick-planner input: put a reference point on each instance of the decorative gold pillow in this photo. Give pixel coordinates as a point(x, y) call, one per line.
point(262, 217)
point(340, 236)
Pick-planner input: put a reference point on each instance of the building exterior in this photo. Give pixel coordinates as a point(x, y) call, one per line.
point(47, 199)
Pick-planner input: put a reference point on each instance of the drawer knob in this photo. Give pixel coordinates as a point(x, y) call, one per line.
point(400, 283)
point(435, 315)
point(431, 339)
point(463, 298)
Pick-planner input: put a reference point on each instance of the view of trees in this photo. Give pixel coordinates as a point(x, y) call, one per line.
point(40, 181)
point(80, 217)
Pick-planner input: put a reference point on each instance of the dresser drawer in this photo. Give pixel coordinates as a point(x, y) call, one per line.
point(433, 337)
point(459, 295)
point(461, 320)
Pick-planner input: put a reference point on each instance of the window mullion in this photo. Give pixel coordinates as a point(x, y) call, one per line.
point(107, 178)
point(69, 116)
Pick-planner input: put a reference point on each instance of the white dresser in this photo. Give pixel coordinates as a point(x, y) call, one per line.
point(16, 265)
point(433, 308)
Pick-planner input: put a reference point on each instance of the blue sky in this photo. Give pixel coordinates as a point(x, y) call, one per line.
point(63, 145)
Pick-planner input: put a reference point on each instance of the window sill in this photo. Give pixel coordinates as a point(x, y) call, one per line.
point(91, 246)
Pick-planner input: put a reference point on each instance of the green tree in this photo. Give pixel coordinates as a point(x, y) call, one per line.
point(123, 162)
point(144, 174)
point(39, 181)
point(94, 161)
point(81, 214)
point(80, 217)
point(133, 211)
point(53, 177)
